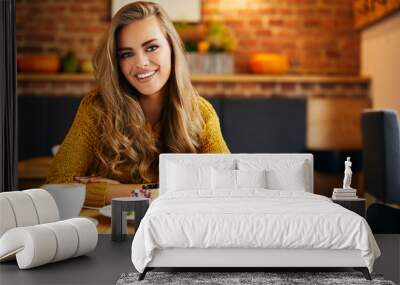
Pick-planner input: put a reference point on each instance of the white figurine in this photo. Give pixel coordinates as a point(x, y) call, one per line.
point(347, 174)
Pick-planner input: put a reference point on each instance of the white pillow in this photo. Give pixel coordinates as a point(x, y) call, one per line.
point(292, 179)
point(223, 179)
point(251, 178)
point(181, 177)
point(236, 179)
point(281, 174)
point(203, 160)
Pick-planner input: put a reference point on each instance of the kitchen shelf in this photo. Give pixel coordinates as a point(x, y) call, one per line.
point(55, 77)
point(212, 78)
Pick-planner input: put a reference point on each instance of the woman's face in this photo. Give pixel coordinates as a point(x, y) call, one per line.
point(144, 55)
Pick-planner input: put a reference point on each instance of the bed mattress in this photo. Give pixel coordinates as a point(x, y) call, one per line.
point(250, 219)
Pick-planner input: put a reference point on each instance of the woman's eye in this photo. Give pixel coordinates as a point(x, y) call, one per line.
point(125, 54)
point(152, 48)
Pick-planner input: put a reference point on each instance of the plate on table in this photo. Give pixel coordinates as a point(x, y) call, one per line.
point(93, 220)
point(106, 211)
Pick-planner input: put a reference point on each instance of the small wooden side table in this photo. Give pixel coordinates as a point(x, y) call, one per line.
point(357, 205)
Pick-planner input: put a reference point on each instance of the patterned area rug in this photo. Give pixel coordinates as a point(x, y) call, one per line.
point(230, 278)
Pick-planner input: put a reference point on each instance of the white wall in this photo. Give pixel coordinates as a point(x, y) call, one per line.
point(380, 59)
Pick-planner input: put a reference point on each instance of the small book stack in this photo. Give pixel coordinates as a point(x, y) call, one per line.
point(344, 194)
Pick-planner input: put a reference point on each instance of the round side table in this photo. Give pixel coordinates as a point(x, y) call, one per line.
point(119, 209)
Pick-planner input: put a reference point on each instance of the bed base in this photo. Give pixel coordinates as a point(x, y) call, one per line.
point(242, 259)
point(364, 271)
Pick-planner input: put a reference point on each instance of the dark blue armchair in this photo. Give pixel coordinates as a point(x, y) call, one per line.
point(381, 165)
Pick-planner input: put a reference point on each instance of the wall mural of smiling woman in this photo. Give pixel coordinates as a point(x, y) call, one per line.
point(145, 105)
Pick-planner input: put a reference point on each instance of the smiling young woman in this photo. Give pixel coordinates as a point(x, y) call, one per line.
point(145, 105)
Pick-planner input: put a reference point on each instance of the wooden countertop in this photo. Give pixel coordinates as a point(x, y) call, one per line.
point(239, 78)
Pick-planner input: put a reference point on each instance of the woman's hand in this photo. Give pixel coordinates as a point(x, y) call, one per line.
point(95, 179)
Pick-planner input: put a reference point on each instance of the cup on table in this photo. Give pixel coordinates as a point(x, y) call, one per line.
point(55, 149)
point(69, 198)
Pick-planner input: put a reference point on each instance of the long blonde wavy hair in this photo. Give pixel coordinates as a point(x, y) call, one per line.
point(126, 145)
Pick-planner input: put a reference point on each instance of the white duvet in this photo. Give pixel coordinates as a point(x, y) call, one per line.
point(250, 218)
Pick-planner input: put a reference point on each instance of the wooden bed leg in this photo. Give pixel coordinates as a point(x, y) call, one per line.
point(143, 274)
point(364, 271)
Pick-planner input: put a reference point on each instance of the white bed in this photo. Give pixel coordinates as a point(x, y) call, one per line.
point(279, 224)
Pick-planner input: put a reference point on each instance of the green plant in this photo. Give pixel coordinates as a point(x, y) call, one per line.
point(190, 34)
point(190, 46)
point(220, 38)
point(70, 63)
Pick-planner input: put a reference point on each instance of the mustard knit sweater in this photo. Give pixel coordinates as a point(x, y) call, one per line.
point(76, 156)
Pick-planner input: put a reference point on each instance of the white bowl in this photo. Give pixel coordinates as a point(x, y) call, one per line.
point(69, 198)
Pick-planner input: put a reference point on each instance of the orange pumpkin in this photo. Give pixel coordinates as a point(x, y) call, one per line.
point(203, 46)
point(269, 63)
point(38, 63)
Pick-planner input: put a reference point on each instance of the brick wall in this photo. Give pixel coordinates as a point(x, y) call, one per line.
point(55, 26)
point(317, 35)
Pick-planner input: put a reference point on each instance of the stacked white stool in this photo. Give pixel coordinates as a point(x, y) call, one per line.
point(31, 232)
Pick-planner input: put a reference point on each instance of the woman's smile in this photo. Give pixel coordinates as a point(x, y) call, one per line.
point(146, 76)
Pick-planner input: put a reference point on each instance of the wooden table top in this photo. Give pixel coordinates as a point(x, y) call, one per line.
point(38, 168)
point(34, 168)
